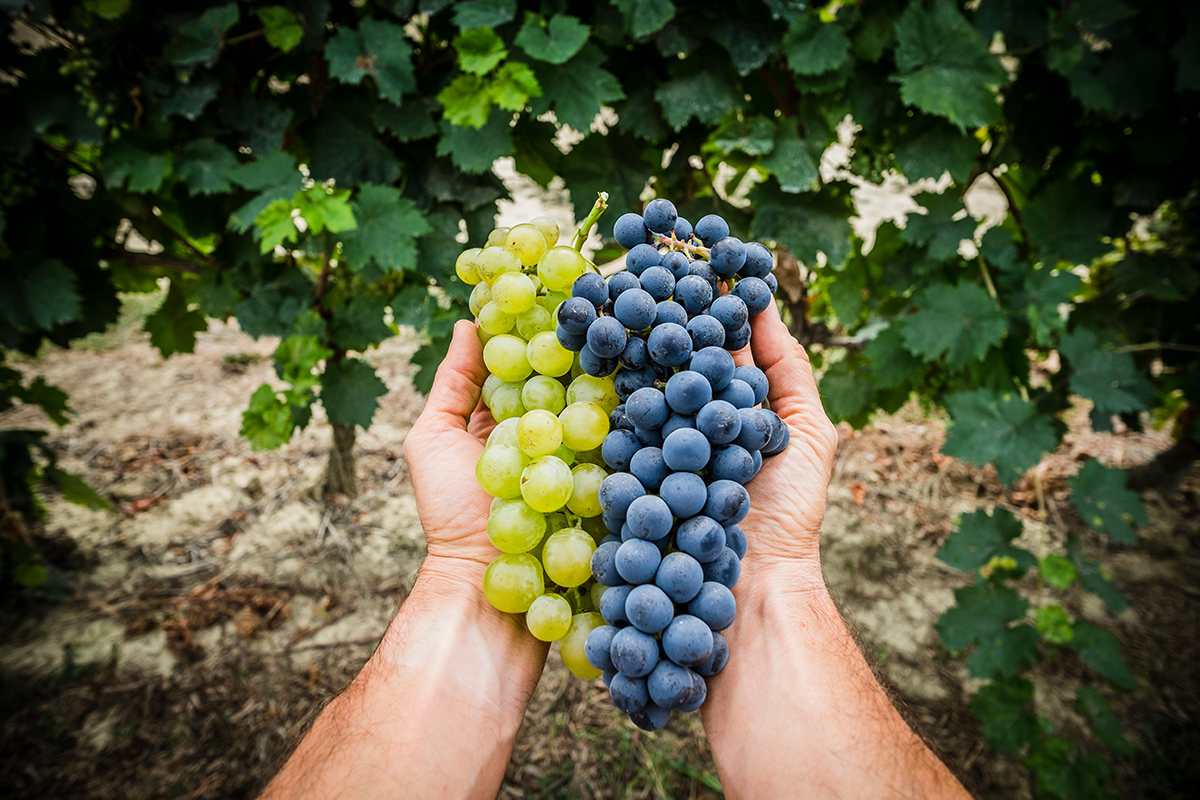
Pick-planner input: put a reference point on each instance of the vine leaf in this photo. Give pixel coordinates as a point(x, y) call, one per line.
point(466, 101)
point(576, 90)
point(388, 226)
point(296, 361)
point(945, 67)
point(997, 428)
point(981, 537)
point(173, 327)
point(350, 392)
point(891, 363)
point(1044, 292)
point(484, 13)
point(201, 40)
point(557, 42)
point(76, 490)
point(940, 149)
point(1058, 571)
point(791, 160)
point(479, 50)
point(1093, 579)
point(267, 423)
point(813, 47)
point(707, 96)
point(1105, 725)
point(1004, 708)
point(514, 84)
point(937, 228)
point(644, 17)
point(379, 49)
point(805, 224)
point(475, 150)
point(961, 321)
point(1104, 502)
point(1065, 223)
point(280, 27)
point(204, 166)
point(1054, 625)
point(358, 322)
point(48, 296)
point(1109, 379)
point(982, 616)
point(1101, 650)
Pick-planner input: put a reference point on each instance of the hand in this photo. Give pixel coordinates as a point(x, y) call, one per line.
point(787, 497)
point(441, 451)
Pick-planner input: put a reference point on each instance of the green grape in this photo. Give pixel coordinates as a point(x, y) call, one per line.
point(539, 433)
point(565, 453)
point(506, 402)
point(466, 268)
point(493, 321)
point(551, 300)
point(547, 356)
point(597, 591)
point(549, 618)
point(543, 392)
point(588, 388)
point(505, 356)
point(504, 433)
point(577, 368)
point(488, 386)
point(571, 646)
point(585, 500)
point(595, 528)
point(514, 527)
point(528, 242)
point(555, 522)
point(534, 321)
point(483, 336)
point(514, 293)
point(594, 456)
point(499, 470)
point(481, 295)
point(496, 261)
point(513, 581)
point(584, 426)
point(548, 227)
point(546, 483)
point(567, 557)
point(559, 268)
point(496, 237)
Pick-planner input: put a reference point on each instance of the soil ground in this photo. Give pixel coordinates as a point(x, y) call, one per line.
point(223, 604)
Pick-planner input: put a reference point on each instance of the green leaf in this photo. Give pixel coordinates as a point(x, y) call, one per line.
point(268, 422)
point(754, 136)
point(1054, 625)
point(937, 150)
point(1109, 379)
point(275, 170)
point(276, 225)
point(1105, 725)
point(480, 13)
point(514, 84)
point(892, 364)
point(1051, 761)
point(475, 150)
point(414, 122)
point(605, 164)
point(204, 165)
point(997, 428)
point(577, 90)
point(426, 360)
point(262, 124)
point(479, 50)
point(944, 65)
point(378, 49)
point(358, 322)
point(280, 27)
point(644, 17)
point(296, 359)
point(1101, 650)
point(805, 224)
point(1044, 292)
point(106, 9)
point(173, 327)
point(813, 47)
point(557, 42)
point(350, 392)
point(1004, 708)
point(978, 537)
point(981, 616)
point(937, 228)
point(201, 40)
point(1104, 502)
point(49, 398)
point(349, 152)
point(388, 227)
point(76, 490)
point(846, 393)
point(51, 294)
point(792, 162)
point(189, 101)
point(1066, 223)
point(466, 101)
point(706, 95)
point(1093, 578)
point(1058, 571)
point(961, 321)
point(326, 210)
point(749, 45)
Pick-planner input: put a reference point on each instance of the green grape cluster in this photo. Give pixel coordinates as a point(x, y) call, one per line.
point(542, 462)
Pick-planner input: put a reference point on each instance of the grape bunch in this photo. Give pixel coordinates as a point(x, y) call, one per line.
point(688, 435)
point(542, 462)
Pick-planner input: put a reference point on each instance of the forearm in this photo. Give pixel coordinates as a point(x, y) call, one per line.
point(797, 710)
point(435, 711)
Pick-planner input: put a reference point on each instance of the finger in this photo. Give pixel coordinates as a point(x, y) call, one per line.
point(743, 357)
point(482, 422)
point(793, 393)
point(458, 384)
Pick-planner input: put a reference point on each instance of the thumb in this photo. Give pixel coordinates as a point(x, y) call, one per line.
point(793, 393)
point(458, 384)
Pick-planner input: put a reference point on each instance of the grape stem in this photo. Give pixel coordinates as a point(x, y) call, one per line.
point(585, 228)
point(661, 239)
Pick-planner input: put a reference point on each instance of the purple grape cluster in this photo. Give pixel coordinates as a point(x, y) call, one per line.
point(689, 434)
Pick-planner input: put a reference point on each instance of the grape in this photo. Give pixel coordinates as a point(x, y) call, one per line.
point(684, 493)
point(628, 694)
point(633, 653)
point(499, 470)
point(755, 378)
point(635, 355)
point(572, 646)
point(598, 647)
point(546, 484)
point(586, 480)
point(481, 295)
point(732, 463)
point(505, 357)
point(548, 227)
point(612, 604)
point(738, 339)
point(618, 449)
point(717, 658)
point(504, 433)
point(738, 394)
point(618, 420)
point(659, 283)
point(735, 540)
point(705, 331)
point(534, 321)
point(596, 365)
point(730, 310)
point(714, 364)
point(514, 293)
point(649, 609)
point(699, 695)
point(780, 436)
point(686, 450)
point(688, 641)
point(728, 502)
point(635, 309)
point(466, 268)
point(758, 261)
point(584, 424)
point(678, 265)
point(670, 685)
point(514, 527)
point(648, 467)
point(547, 355)
point(637, 560)
point(641, 258)
point(714, 605)
point(604, 568)
point(513, 581)
point(575, 315)
point(606, 337)
point(669, 311)
point(711, 229)
point(552, 300)
point(496, 261)
point(617, 492)
point(542, 392)
point(567, 556)
point(489, 385)
point(754, 293)
point(683, 229)
point(549, 617)
point(560, 267)
point(621, 283)
point(628, 381)
point(630, 231)
point(506, 402)
point(679, 576)
point(539, 433)
point(496, 237)
point(772, 283)
point(693, 293)
point(649, 517)
point(570, 341)
point(727, 256)
point(660, 215)
point(589, 389)
point(591, 287)
point(675, 422)
point(670, 344)
point(719, 421)
point(647, 408)
point(725, 569)
point(649, 437)
point(704, 271)
point(687, 392)
point(701, 537)
point(494, 322)
point(650, 718)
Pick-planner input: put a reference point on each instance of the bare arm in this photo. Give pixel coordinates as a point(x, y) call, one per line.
point(797, 711)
